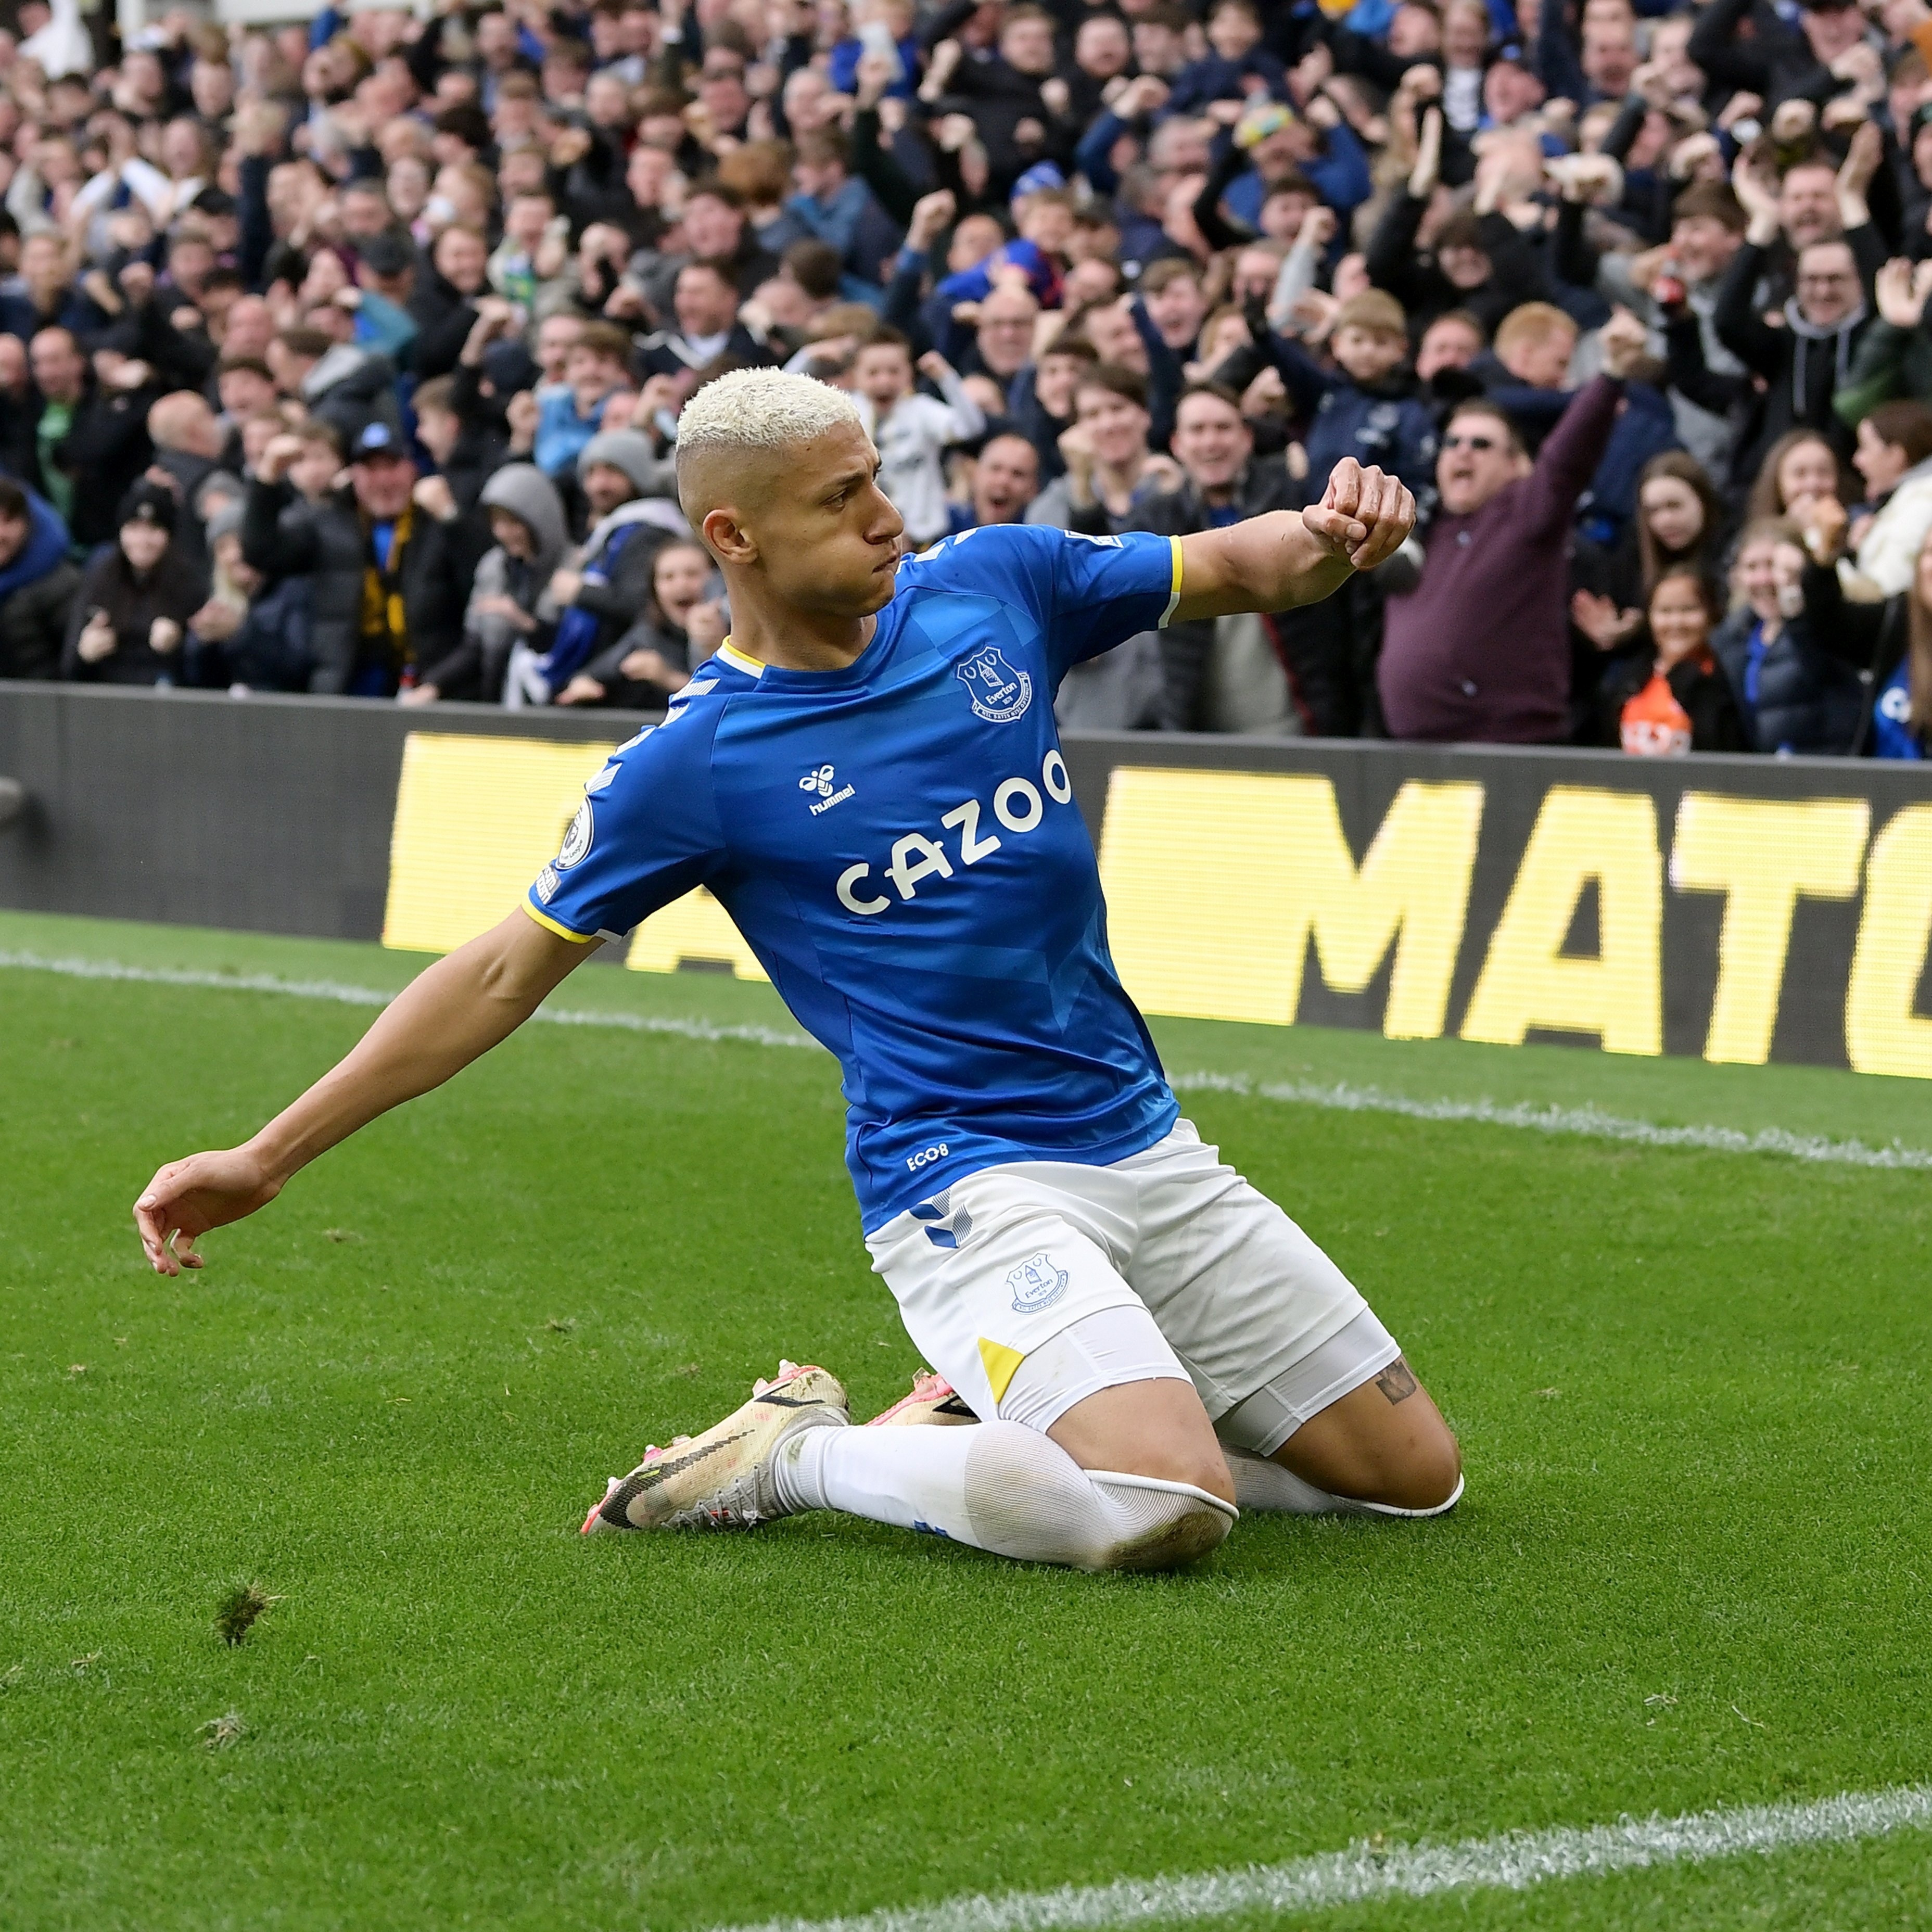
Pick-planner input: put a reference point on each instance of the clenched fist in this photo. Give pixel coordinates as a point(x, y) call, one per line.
point(1364, 515)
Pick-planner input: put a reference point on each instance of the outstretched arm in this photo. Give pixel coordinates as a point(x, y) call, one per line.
point(1290, 557)
point(447, 1017)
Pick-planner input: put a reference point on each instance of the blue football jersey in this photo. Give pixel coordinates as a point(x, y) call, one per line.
point(897, 842)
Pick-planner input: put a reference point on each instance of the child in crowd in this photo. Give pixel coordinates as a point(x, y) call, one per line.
point(249, 635)
point(534, 252)
point(1794, 696)
point(131, 617)
point(505, 632)
point(1534, 344)
point(1678, 699)
point(913, 431)
point(654, 657)
point(1043, 215)
point(1366, 407)
point(315, 472)
point(596, 368)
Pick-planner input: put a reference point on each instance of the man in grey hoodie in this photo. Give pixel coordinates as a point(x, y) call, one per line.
point(503, 617)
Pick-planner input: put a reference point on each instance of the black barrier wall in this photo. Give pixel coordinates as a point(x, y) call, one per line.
point(261, 815)
point(1738, 909)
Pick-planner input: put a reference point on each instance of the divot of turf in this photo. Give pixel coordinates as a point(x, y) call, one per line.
point(241, 1606)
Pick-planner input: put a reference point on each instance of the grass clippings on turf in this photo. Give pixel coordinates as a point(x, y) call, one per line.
point(219, 1733)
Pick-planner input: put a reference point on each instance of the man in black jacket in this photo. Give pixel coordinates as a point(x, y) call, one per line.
point(1776, 63)
point(1802, 363)
point(708, 327)
point(444, 306)
point(90, 433)
point(1283, 675)
point(391, 578)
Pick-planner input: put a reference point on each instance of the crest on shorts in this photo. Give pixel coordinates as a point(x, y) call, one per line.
point(999, 693)
point(1036, 1283)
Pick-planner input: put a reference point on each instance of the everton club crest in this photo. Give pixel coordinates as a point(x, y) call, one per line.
point(1036, 1283)
point(999, 693)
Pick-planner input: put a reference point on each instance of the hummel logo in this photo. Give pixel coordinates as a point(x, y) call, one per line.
point(821, 780)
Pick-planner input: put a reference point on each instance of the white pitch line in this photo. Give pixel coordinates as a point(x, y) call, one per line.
point(1512, 1861)
point(342, 994)
point(1591, 1122)
point(1588, 1123)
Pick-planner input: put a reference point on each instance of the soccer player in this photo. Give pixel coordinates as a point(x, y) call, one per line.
point(866, 773)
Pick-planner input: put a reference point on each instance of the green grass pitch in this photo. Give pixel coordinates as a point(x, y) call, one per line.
point(1691, 1571)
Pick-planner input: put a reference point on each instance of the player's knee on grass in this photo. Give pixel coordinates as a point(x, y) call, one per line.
point(1110, 1390)
point(1027, 1498)
point(1429, 1476)
point(1383, 1443)
point(1153, 1429)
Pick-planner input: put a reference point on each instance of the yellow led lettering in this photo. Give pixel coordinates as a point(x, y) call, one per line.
point(477, 819)
point(1526, 981)
point(1882, 1032)
point(1215, 881)
point(1763, 854)
point(694, 929)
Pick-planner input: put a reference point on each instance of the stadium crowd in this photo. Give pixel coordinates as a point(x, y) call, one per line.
point(347, 357)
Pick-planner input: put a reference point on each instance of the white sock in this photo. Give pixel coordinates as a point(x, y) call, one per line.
point(1005, 1488)
point(1264, 1485)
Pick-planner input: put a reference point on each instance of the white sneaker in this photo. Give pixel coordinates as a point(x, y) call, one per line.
point(722, 1479)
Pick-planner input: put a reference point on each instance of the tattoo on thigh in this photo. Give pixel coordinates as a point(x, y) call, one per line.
point(1396, 1382)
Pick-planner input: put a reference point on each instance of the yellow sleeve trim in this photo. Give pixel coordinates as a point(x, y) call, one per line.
point(549, 925)
point(751, 666)
point(1174, 599)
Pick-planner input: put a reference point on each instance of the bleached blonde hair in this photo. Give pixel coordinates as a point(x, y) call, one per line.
point(759, 409)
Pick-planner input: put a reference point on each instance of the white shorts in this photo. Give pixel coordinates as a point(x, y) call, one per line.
point(997, 1266)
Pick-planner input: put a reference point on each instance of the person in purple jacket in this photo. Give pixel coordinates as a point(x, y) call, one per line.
point(1478, 651)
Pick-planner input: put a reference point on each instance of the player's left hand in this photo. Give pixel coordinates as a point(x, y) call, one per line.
point(1363, 514)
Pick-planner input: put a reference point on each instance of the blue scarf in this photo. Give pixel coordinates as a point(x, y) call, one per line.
point(577, 629)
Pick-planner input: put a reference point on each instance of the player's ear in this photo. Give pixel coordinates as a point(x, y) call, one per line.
point(729, 540)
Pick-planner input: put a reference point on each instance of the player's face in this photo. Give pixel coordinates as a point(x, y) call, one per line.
point(828, 540)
